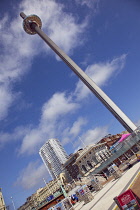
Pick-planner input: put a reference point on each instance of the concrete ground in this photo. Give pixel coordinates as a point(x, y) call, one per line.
point(103, 199)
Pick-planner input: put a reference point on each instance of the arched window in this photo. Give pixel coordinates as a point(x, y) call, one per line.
point(108, 154)
point(84, 168)
point(104, 155)
point(89, 164)
point(101, 157)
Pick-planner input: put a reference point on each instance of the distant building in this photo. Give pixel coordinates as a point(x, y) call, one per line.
point(71, 169)
point(53, 156)
point(110, 139)
point(2, 203)
point(92, 160)
point(91, 157)
point(45, 195)
point(122, 152)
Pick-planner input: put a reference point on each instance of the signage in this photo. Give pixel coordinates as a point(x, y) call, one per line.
point(112, 168)
point(83, 190)
point(50, 198)
point(128, 201)
point(65, 204)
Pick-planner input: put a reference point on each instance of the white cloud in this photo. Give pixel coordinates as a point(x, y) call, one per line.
point(59, 25)
point(32, 175)
point(6, 98)
point(16, 135)
point(31, 141)
point(71, 132)
point(17, 52)
point(60, 106)
point(77, 125)
point(18, 48)
point(100, 73)
point(92, 4)
point(94, 135)
point(57, 107)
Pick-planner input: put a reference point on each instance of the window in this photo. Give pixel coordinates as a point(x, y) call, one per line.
point(84, 168)
point(89, 164)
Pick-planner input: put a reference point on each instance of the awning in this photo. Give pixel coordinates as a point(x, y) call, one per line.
point(124, 136)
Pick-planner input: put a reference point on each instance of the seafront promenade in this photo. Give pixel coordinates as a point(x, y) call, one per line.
point(103, 199)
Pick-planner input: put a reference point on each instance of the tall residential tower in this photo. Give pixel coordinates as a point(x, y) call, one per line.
point(53, 156)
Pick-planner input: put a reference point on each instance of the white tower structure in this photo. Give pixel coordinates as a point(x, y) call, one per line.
point(53, 156)
point(32, 25)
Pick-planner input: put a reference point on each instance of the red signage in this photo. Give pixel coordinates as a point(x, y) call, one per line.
point(128, 201)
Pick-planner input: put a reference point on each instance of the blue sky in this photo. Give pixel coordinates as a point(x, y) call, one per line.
point(41, 98)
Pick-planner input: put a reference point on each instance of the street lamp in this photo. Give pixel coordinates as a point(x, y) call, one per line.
point(50, 192)
point(32, 25)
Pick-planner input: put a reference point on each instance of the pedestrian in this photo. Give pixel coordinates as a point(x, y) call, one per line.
point(105, 176)
point(96, 179)
point(80, 179)
point(129, 165)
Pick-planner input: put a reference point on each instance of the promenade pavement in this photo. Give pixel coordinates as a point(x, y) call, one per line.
point(103, 199)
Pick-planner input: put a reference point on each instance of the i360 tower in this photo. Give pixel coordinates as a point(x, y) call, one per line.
point(53, 156)
point(32, 25)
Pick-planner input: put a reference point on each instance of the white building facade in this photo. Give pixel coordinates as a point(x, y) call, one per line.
point(53, 156)
point(91, 157)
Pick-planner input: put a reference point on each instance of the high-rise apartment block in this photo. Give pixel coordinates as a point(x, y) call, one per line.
point(53, 156)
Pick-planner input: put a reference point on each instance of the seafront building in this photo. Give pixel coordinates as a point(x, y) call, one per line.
point(96, 158)
point(53, 156)
point(91, 157)
point(48, 194)
point(121, 151)
point(86, 162)
point(71, 170)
